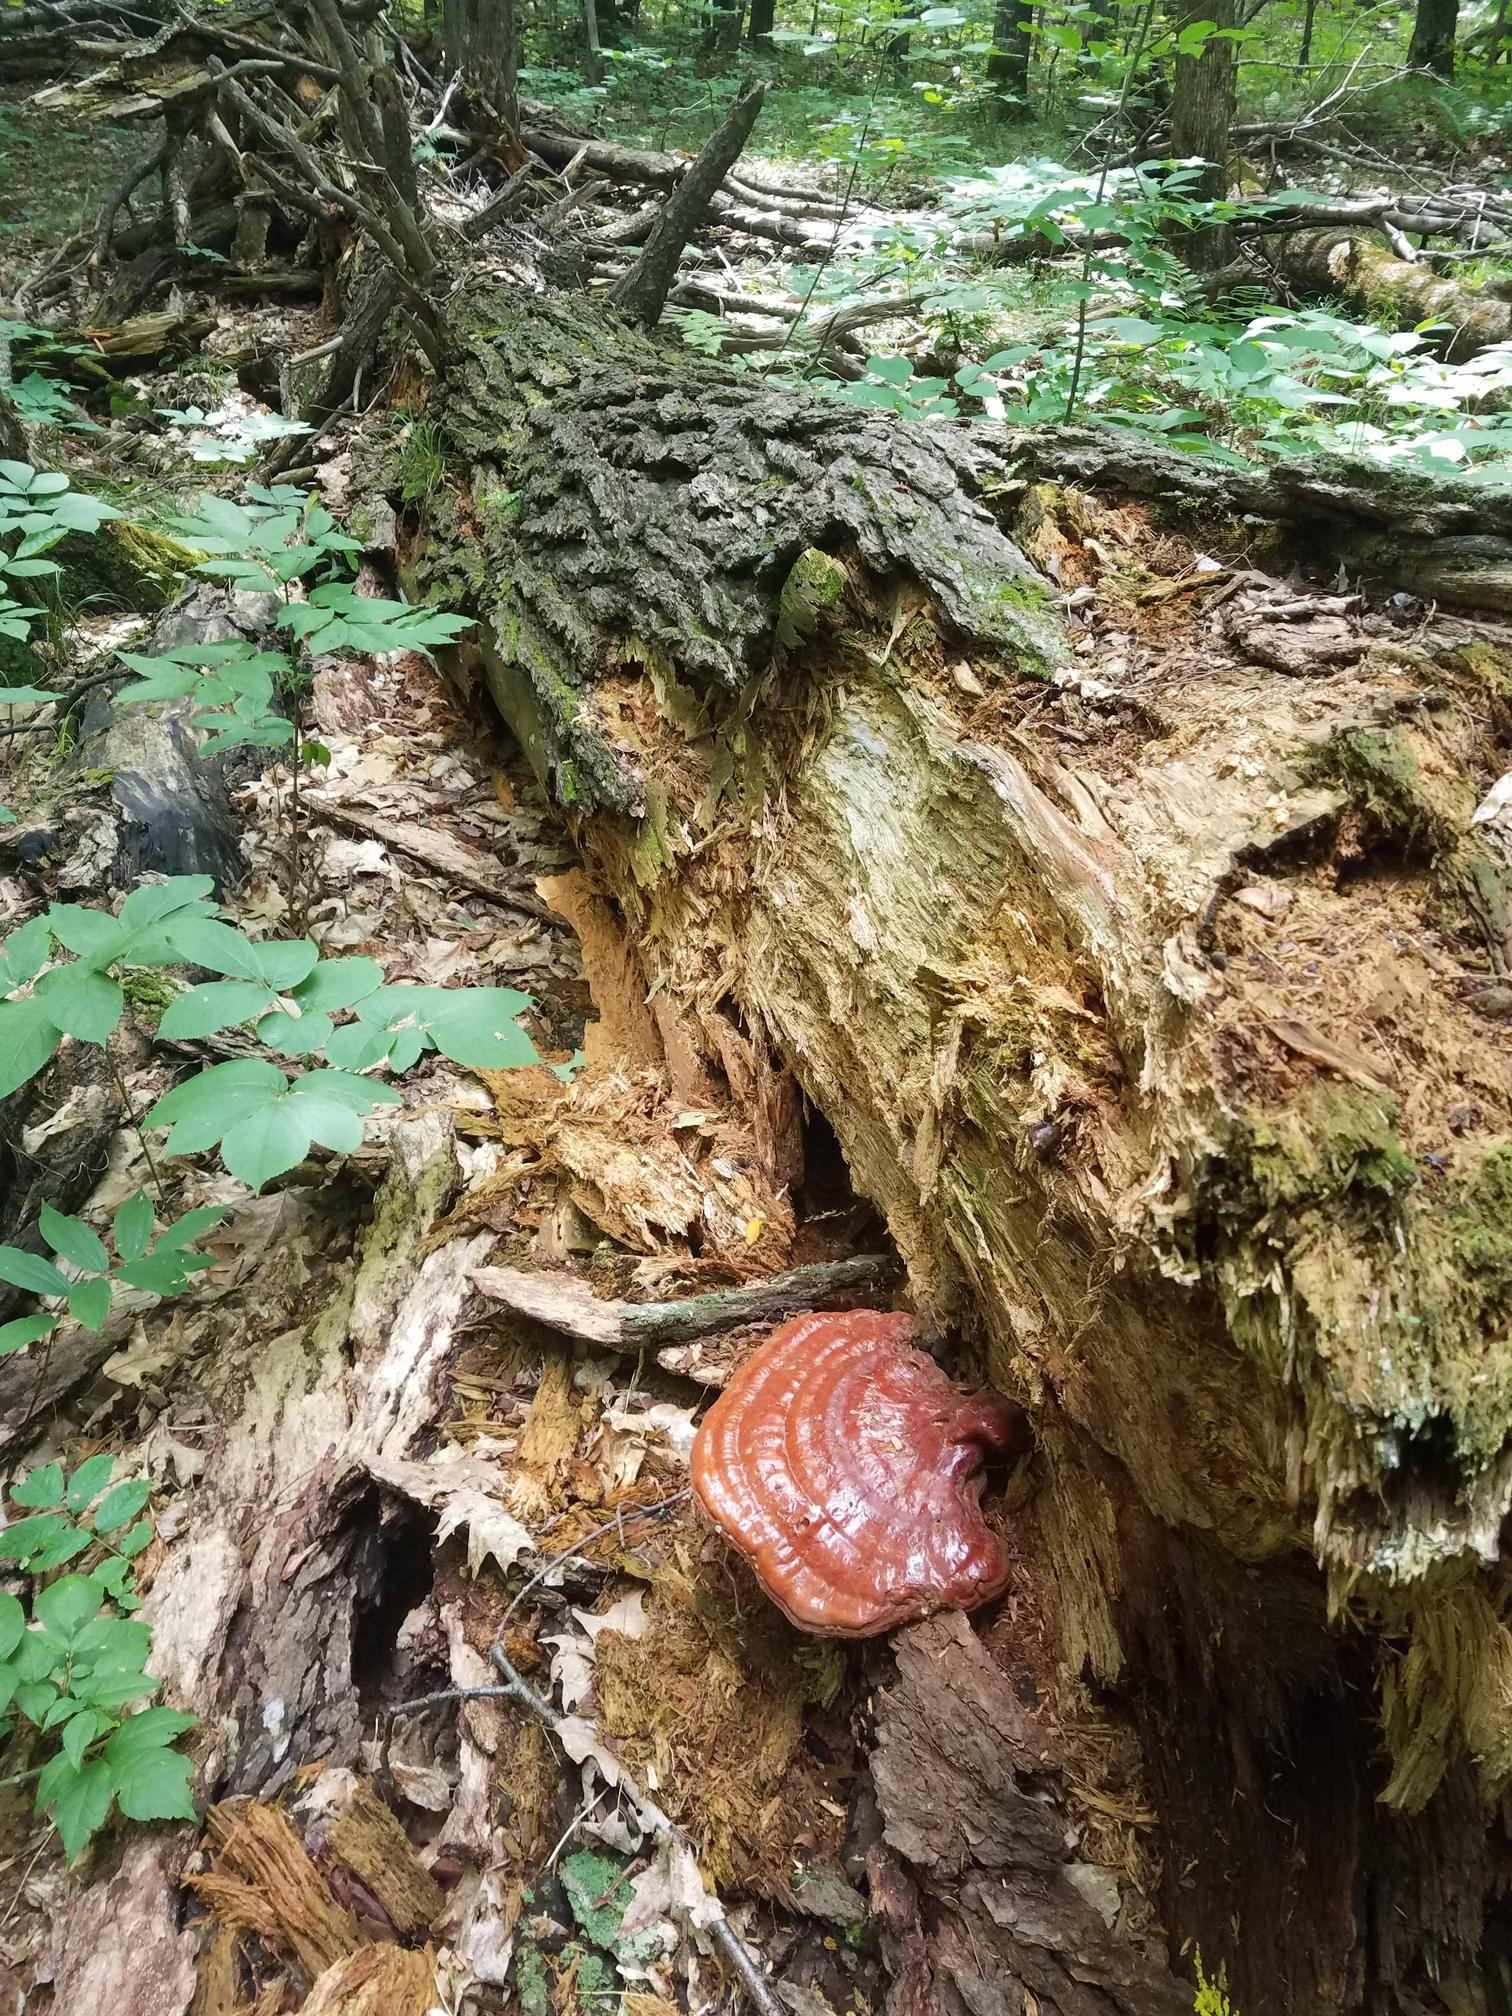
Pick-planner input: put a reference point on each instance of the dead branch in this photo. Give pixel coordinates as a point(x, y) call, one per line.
point(642, 293)
point(653, 1821)
point(569, 1306)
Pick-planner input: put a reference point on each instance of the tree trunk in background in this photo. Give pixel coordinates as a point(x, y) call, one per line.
point(722, 36)
point(1192, 1184)
point(593, 57)
point(479, 38)
point(1008, 65)
point(1432, 46)
point(763, 21)
point(1202, 110)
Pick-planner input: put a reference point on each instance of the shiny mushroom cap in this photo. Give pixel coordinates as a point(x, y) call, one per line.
point(847, 1469)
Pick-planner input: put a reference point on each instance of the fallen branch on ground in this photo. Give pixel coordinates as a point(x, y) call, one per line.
point(569, 1306)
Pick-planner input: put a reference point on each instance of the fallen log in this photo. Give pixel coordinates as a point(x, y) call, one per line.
point(1445, 541)
point(1252, 1299)
point(1349, 266)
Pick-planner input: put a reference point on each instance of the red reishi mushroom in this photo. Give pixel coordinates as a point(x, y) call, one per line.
point(847, 1469)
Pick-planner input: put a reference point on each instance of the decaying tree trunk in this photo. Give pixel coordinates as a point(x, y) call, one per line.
point(1163, 1034)
point(1353, 267)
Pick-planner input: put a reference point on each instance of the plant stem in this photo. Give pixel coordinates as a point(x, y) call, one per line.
point(829, 251)
point(1102, 183)
point(136, 1127)
point(295, 884)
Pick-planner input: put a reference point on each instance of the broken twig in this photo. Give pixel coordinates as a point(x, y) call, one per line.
point(653, 1821)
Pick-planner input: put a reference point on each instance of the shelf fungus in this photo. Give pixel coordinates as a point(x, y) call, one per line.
point(848, 1471)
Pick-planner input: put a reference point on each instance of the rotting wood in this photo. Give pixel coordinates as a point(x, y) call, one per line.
point(281, 1533)
point(974, 1869)
point(1095, 1149)
point(566, 1304)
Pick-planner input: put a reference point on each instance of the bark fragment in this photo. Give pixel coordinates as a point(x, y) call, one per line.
point(968, 1807)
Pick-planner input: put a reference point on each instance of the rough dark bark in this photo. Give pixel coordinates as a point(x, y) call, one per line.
point(763, 19)
point(975, 1882)
point(1167, 1176)
point(1013, 47)
point(1202, 110)
point(1432, 45)
point(481, 41)
point(722, 37)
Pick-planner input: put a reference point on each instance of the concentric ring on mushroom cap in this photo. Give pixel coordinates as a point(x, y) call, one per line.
point(844, 1465)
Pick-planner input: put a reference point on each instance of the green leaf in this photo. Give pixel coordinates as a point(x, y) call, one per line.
point(163, 1272)
point(357, 1046)
point(121, 1504)
point(216, 1005)
point(83, 1727)
point(35, 1698)
point(113, 1690)
point(91, 1477)
point(89, 1302)
point(24, 1330)
point(90, 933)
point(79, 1799)
point(9, 1680)
point(12, 1624)
point(25, 953)
point(153, 1784)
point(152, 1729)
point(131, 1544)
point(115, 1645)
point(68, 1542)
point(470, 1025)
point(31, 1271)
point(337, 983)
point(22, 1537)
point(72, 1240)
point(131, 1227)
point(278, 963)
point(150, 902)
point(295, 1035)
point(269, 1142)
point(191, 1226)
point(42, 1487)
point(66, 1606)
point(203, 1107)
point(27, 1042)
point(344, 1088)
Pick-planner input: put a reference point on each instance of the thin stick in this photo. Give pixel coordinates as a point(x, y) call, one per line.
point(654, 1821)
point(609, 1526)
